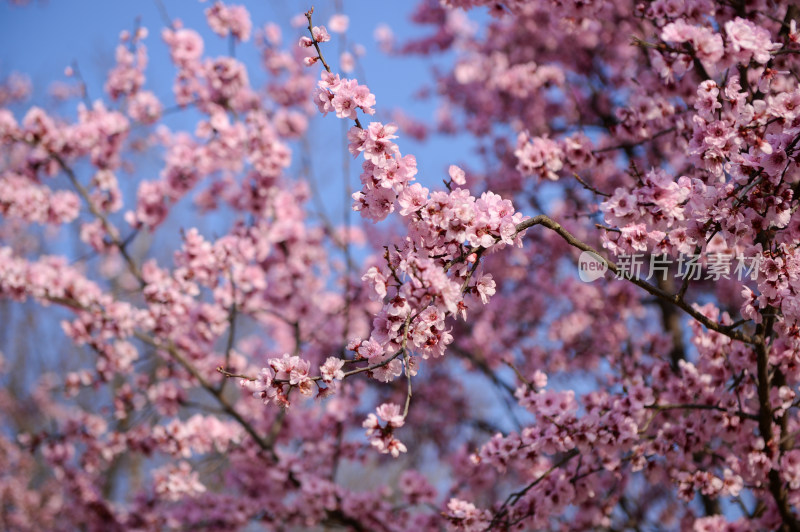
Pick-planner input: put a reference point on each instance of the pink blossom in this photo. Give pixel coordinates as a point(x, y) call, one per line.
point(332, 369)
point(682, 146)
point(229, 19)
point(186, 46)
point(320, 34)
point(466, 516)
point(144, 107)
point(486, 287)
point(412, 199)
point(538, 156)
point(338, 23)
point(457, 175)
point(378, 281)
point(347, 62)
point(746, 41)
point(382, 437)
point(176, 482)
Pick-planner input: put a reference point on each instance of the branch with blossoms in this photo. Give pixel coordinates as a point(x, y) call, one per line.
point(364, 100)
point(683, 413)
point(484, 223)
point(216, 393)
point(110, 230)
point(388, 180)
point(675, 299)
point(501, 514)
point(417, 292)
point(103, 322)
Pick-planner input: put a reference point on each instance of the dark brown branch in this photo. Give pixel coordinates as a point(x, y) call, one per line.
point(513, 498)
point(319, 52)
point(776, 485)
point(110, 229)
point(654, 290)
point(224, 404)
point(231, 331)
point(693, 406)
point(629, 145)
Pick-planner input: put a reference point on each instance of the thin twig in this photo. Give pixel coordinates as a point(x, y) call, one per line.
point(319, 52)
point(109, 229)
point(652, 289)
point(231, 331)
point(513, 498)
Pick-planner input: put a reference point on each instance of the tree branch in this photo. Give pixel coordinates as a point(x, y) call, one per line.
point(676, 300)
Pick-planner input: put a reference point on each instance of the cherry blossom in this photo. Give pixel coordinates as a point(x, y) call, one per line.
point(195, 341)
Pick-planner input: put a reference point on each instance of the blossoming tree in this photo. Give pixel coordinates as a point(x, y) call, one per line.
point(461, 376)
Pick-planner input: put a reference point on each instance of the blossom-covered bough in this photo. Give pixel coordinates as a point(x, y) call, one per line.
point(660, 140)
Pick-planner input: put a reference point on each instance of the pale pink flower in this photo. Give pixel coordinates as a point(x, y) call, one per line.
point(338, 23)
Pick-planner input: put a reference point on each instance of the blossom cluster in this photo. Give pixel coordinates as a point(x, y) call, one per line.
point(343, 96)
point(382, 436)
point(416, 287)
point(666, 129)
point(274, 381)
point(231, 20)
